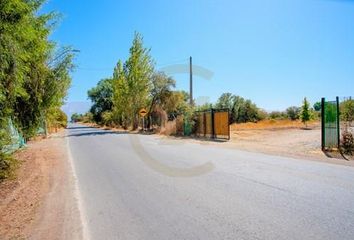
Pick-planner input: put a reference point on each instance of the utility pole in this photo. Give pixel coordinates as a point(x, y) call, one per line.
point(190, 82)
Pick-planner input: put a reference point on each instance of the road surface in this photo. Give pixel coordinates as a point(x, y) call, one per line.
point(147, 187)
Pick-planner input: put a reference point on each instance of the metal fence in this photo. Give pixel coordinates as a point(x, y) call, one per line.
point(330, 124)
point(16, 139)
point(213, 123)
point(336, 118)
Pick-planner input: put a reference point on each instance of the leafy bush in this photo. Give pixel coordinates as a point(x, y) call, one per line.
point(277, 115)
point(57, 118)
point(317, 106)
point(347, 110)
point(76, 117)
point(88, 117)
point(347, 143)
point(241, 110)
point(293, 112)
point(107, 118)
point(262, 114)
point(7, 165)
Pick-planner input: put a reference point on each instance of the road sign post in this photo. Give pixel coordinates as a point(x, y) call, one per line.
point(143, 125)
point(143, 113)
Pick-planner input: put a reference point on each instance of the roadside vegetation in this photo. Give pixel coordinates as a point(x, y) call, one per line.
point(135, 84)
point(347, 116)
point(34, 74)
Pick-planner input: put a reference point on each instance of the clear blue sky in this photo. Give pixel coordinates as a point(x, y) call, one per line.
point(273, 52)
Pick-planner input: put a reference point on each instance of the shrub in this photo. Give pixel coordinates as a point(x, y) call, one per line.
point(76, 117)
point(347, 143)
point(56, 118)
point(88, 117)
point(107, 118)
point(262, 114)
point(277, 115)
point(293, 112)
point(241, 110)
point(7, 165)
point(347, 110)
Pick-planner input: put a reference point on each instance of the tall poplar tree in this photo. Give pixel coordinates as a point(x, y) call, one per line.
point(138, 72)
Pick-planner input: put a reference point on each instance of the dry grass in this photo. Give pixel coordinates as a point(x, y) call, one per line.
point(273, 125)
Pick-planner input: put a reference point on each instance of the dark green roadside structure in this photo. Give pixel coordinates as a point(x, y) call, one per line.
point(330, 124)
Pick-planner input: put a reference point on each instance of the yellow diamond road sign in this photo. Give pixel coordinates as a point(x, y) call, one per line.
point(143, 112)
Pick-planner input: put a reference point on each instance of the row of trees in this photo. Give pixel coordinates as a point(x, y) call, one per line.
point(134, 85)
point(34, 74)
point(244, 110)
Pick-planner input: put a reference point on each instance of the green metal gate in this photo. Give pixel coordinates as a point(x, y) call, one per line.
point(330, 124)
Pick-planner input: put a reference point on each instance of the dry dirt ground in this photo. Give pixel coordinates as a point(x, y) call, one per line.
point(284, 138)
point(40, 202)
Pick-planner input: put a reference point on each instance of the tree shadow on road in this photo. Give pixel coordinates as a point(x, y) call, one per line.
point(81, 127)
point(82, 131)
point(94, 133)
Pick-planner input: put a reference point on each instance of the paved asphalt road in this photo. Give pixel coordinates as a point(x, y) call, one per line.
point(144, 187)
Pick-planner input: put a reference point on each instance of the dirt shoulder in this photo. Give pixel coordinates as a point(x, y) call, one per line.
point(40, 203)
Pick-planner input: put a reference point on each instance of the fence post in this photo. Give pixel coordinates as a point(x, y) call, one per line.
point(228, 122)
point(323, 133)
point(204, 124)
point(338, 124)
point(212, 124)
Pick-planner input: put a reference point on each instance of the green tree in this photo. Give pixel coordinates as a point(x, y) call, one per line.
point(132, 83)
point(161, 89)
point(177, 103)
point(293, 112)
point(31, 88)
point(76, 117)
point(121, 108)
point(241, 110)
point(138, 72)
point(226, 100)
point(317, 106)
point(102, 98)
point(305, 114)
point(204, 107)
point(56, 118)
